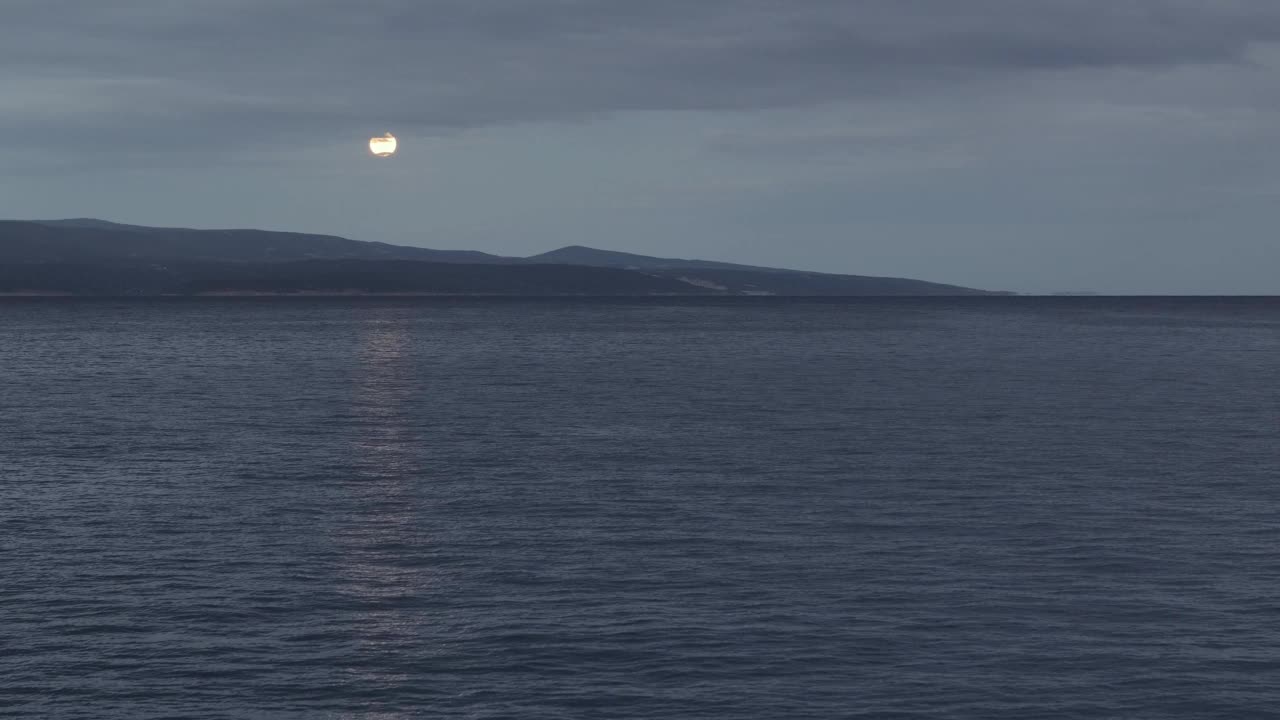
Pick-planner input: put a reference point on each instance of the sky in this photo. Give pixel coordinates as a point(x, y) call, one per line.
point(1115, 146)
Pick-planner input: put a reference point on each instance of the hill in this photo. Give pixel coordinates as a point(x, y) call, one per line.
point(89, 240)
point(88, 256)
point(581, 255)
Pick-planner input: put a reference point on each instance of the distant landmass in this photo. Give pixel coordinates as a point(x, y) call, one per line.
point(86, 256)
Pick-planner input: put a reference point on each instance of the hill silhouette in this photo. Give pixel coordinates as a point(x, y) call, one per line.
point(97, 257)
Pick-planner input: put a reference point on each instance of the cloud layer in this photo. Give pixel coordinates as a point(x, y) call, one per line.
point(141, 75)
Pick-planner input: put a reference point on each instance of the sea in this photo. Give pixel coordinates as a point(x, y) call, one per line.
point(668, 509)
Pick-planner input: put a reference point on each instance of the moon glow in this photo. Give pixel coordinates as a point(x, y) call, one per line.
point(384, 146)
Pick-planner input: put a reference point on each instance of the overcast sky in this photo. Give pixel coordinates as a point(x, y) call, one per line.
point(1031, 145)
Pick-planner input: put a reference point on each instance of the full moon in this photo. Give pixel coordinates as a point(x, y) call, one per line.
point(384, 146)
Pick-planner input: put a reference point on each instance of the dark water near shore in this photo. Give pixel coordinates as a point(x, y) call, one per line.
point(978, 508)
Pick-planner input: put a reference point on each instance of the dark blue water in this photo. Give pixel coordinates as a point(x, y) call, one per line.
point(985, 508)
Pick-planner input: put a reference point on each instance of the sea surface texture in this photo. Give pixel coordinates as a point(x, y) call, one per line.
point(663, 509)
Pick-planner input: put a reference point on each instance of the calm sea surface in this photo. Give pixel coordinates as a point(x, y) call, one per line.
point(974, 508)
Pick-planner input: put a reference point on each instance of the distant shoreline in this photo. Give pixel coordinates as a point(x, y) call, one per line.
point(365, 293)
point(352, 294)
point(54, 258)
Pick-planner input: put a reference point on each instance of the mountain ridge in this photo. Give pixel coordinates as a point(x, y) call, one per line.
point(583, 255)
point(91, 256)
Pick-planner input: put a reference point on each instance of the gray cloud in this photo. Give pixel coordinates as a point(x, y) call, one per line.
point(140, 75)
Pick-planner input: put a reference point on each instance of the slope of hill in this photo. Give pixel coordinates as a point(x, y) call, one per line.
point(87, 256)
point(763, 282)
point(581, 255)
point(83, 239)
point(748, 279)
